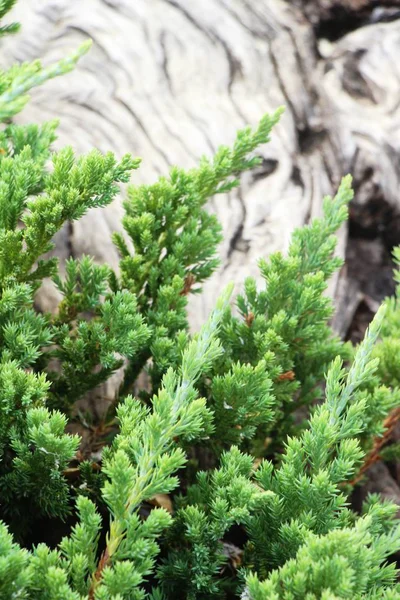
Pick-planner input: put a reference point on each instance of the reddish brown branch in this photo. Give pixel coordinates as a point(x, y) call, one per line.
point(374, 455)
point(188, 284)
point(288, 376)
point(103, 562)
point(249, 318)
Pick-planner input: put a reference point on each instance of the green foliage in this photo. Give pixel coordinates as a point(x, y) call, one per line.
point(388, 350)
point(5, 6)
point(16, 82)
point(306, 486)
point(175, 242)
point(70, 190)
point(89, 351)
point(38, 452)
point(229, 474)
point(144, 457)
point(282, 507)
point(34, 205)
point(348, 563)
point(242, 402)
point(219, 500)
point(15, 575)
point(284, 326)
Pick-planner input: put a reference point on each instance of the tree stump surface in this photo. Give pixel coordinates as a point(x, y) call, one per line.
point(170, 80)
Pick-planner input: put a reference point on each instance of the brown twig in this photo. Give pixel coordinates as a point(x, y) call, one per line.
point(105, 557)
point(374, 455)
point(288, 376)
point(249, 318)
point(188, 284)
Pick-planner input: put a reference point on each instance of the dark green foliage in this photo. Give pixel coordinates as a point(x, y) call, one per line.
point(5, 6)
point(242, 402)
point(388, 350)
point(219, 500)
point(88, 349)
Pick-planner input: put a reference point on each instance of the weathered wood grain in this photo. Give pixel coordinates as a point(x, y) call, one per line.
point(169, 80)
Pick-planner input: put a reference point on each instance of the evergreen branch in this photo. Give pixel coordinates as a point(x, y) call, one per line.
point(285, 325)
point(361, 370)
point(150, 440)
point(5, 6)
point(345, 563)
point(73, 187)
point(22, 78)
point(175, 242)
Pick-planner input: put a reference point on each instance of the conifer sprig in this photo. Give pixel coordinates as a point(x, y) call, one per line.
point(74, 186)
point(19, 79)
point(308, 481)
point(5, 6)
point(281, 507)
point(144, 455)
point(282, 340)
point(347, 563)
point(175, 242)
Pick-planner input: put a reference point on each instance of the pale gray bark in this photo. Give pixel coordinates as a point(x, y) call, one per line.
point(169, 80)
